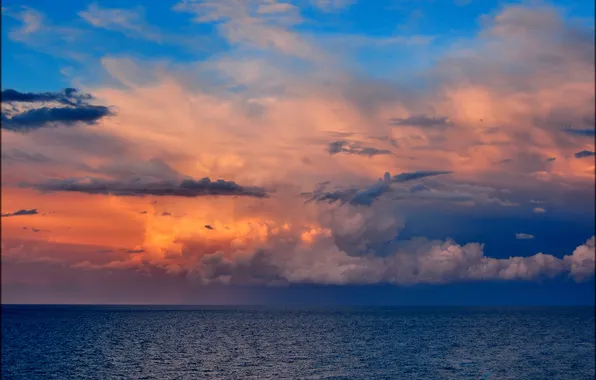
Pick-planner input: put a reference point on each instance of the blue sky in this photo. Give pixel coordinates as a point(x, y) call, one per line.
point(299, 109)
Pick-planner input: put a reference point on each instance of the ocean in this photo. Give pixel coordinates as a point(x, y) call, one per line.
point(191, 342)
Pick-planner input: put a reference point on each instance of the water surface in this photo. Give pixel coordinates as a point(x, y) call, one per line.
point(162, 342)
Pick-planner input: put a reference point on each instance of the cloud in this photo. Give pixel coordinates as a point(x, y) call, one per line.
point(21, 212)
point(343, 146)
point(68, 96)
point(37, 32)
point(17, 156)
point(365, 196)
point(422, 121)
point(208, 227)
point(130, 22)
point(32, 22)
point(262, 24)
point(353, 246)
point(538, 210)
point(581, 132)
point(582, 260)
point(411, 176)
point(252, 116)
point(185, 188)
point(135, 251)
point(43, 117)
point(75, 108)
point(584, 153)
point(522, 236)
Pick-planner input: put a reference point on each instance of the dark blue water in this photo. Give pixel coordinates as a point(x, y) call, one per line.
point(101, 342)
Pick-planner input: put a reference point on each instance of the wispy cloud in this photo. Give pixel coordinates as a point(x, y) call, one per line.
point(522, 236)
point(130, 22)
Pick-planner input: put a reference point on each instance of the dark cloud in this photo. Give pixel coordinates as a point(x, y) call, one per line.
point(422, 121)
point(68, 96)
point(367, 195)
point(208, 227)
point(404, 177)
point(355, 148)
point(184, 188)
point(75, 108)
point(505, 161)
point(135, 251)
point(21, 212)
point(43, 117)
point(143, 212)
point(584, 153)
point(591, 132)
point(165, 213)
point(550, 159)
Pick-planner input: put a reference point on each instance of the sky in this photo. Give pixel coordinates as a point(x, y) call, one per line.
point(398, 152)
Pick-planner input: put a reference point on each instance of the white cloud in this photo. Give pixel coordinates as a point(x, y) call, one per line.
point(582, 260)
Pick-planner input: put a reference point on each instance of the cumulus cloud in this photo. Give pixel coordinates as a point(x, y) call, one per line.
point(184, 188)
point(356, 245)
point(21, 212)
point(582, 260)
point(522, 236)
